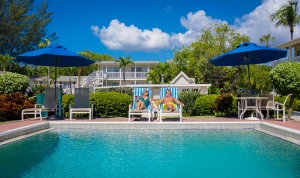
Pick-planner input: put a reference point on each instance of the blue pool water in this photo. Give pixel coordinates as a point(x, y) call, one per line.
point(150, 153)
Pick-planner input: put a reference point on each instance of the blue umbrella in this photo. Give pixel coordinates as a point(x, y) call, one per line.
point(54, 55)
point(249, 53)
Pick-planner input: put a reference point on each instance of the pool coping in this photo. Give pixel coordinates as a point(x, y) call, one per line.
point(281, 132)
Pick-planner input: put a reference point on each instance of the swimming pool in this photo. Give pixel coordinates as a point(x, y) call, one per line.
point(150, 153)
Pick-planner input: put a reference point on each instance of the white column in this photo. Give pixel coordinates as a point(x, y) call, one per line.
point(290, 53)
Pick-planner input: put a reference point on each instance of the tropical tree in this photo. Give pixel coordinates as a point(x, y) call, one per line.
point(266, 38)
point(287, 16)
point(165, 68)
point(215, 40)
point(123, 62)
point(22, 26)
point(285, 78)
point(5, 60)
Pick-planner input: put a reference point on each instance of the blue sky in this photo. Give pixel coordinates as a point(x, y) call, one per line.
point(150, 29)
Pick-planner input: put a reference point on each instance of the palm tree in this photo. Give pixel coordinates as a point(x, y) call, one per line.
point(287, 16)
point(124, 61)
point(266, 38)
point(5, 60)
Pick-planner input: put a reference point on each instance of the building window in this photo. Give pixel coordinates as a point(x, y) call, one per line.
point(298, 53)
point(139, 69)
point(111, 69)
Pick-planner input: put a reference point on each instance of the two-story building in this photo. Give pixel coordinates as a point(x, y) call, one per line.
point(293, 47)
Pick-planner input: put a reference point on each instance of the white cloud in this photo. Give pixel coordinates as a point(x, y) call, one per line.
point(118, 36)
point(257, 23)
point(194, 23)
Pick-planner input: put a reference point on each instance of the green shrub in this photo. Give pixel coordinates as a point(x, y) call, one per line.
point(206, 105)
point(13, 82)
point(12, 105)
point(188, 98)
point(111, 103)
point(67, 99)
point(224, 104)
point(105, 103)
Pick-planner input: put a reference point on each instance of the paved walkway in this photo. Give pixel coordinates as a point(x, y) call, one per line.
point(17, 124)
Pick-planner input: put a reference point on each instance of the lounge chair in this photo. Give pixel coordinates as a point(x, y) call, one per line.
point(276, 106)
point(132, 107)
point(81, 102)
point(163, 112)
point(47, 106)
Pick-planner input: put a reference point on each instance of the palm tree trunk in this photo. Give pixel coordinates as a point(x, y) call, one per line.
point(292, 31)
point(124, 75)
point(78, 78)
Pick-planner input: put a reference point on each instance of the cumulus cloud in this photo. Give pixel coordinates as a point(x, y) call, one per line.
point(194, 23)
point(257, 23)
point(118, 36)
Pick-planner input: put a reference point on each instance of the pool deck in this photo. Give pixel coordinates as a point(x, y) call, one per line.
point(18, 124)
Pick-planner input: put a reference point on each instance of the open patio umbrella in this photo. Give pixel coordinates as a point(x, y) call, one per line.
point(54, 55)
point(249, 53)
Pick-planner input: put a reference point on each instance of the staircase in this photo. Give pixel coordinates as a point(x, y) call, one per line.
point(92, 80)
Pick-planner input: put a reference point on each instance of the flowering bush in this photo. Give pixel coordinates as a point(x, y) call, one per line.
point(12, 105)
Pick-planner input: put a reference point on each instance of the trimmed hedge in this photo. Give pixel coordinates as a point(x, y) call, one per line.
point(105, 103)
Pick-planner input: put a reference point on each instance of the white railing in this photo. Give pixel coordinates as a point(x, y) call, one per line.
point(96, 75)
point(275, 63)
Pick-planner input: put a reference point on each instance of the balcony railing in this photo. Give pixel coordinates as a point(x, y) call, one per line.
point(275, 63)
point(119, 75)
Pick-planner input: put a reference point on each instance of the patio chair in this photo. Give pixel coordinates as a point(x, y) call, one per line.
point(264, 102)
point(81, 102)
point(132, 107)
point(177, 111)
point(276, 106)
point(243, 106)
point(48, 104)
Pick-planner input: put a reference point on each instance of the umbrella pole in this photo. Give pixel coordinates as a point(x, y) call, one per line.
point(55, 116)
point(249, 87)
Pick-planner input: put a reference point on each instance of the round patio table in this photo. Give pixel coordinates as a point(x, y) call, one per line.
point(246, 106)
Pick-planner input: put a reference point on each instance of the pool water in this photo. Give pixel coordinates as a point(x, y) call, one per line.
point(150, 153)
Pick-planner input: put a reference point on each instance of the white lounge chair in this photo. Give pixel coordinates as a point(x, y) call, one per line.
point(47, 106)
point(163, 112)
point(81, 102)
point(132, 107)
point(276, 106)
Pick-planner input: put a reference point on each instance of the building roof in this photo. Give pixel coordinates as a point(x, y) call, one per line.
point(181, 74)
point(288, 43)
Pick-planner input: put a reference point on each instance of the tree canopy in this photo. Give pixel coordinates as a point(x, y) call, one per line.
point(22, 26)
point(194, 59)
point(285, 78)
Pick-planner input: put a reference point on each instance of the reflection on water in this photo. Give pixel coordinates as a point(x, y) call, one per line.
point(18, 157)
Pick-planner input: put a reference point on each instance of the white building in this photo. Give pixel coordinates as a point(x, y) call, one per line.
point(293, 47)
point(110, 75)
